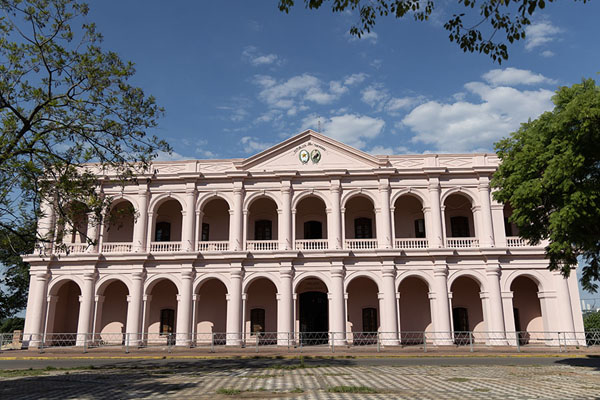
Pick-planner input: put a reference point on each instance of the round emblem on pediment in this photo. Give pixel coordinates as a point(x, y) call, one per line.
point(304, 156)
point(315, 156)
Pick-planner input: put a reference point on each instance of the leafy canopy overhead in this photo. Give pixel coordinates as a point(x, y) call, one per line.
point(550, 175)
point(476, 26)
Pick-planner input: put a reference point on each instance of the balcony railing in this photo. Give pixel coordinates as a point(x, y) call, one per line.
point(462, 243)
point(411, 243)
point(117, 247)
point(360, 244)
point(215, 245)
point(165, 247)
point(262, 245)
point(312, 244)
point(515, 241)
point(71, 248)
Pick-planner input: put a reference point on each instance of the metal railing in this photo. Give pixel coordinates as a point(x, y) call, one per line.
point(165, 247)
point(311, 244)
point(360, 244)
point(461, 243)
point(117, 247)
point(312, 341)
point(214, 245)
point(262, 245)
point(411, 243)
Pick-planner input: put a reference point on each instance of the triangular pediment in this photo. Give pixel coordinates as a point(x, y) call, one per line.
point(310, 151)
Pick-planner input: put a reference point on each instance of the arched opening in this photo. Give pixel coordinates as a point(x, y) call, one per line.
point(527, 310)
point(111, 313)
point(262, 225)
point(211, 312)
point(510, 228)
point(312, 320)
point(311, 224)
point(214, 232)
point(72, 229)
point(364, 317)
point(63, 314)
point(459, 221)
point(359, 219)
point(162, 312)
point(467, 310)
point(261, 312)
point(119, 227)
point(415, 310)
point(168, 222)
point(409, 223)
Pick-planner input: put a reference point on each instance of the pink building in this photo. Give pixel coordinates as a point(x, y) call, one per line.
point(309, 235)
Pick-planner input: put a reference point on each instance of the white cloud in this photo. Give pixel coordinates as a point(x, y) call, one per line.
point(253, 145)
point(463, 126)
point(351, 129)
point(514, 76)
point(254, 57)
point(388, 151)
point(367, 37)
point(379, 98)
point(355, 79)
point(173, 156)
point(547, 53)
point(540, 33)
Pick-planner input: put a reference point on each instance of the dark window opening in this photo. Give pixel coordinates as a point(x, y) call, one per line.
point(163, 232)
point(459, 227)
point(257, 321)
point(369, 319)
point(167, 321)
point(420, 228)
point(262, 230)
point(313, 230)
point(205, 232)
point(363, 228)
point(508, 227)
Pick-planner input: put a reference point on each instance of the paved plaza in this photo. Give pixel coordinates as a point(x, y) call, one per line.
point(308, 378)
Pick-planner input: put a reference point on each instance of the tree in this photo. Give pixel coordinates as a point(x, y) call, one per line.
point(508, 18)
point(550, 175)
point(64, 102)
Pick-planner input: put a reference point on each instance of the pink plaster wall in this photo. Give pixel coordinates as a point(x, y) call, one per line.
point(310, 209)
point(359, 207)
point(465, 293)
point(458, 205)
point(114, 311)
point(164, 295)
point(415, 313)
point(66, 311)
point(216, 214)
point(170, 211)
point(122, 229)
point(362, 293)
point(526, 300)
point(407, 209)
point(211, 314)
point(262, 293)
point(263, 208)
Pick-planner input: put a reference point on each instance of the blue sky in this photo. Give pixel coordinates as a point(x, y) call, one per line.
point(238, 76)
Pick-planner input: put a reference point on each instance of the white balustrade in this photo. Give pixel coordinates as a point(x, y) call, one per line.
point(117, 247)
point(215, 245)
point(411, 243)
point(262, 245)
point(461, 243)
point(71, 248)
point(165, 247)
point(515, 241)
point(312, 244)
point(360, 244)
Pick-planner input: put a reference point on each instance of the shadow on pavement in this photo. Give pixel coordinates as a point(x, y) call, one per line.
point(590, 361)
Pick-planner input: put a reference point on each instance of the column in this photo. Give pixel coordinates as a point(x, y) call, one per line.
point(285, 225)
point(436, 236)
point(149, 238)
point(92, 233)
point(147, 298)
point(337, 311)
point(141, 223)
point(45, 227)
point(385, 219)
point(335, 222)
point(234, 307)
point(97, 319)
point(442, 326)
point(487, 233)
point(188, 218)
point(390, 306)
point(285, 306)
point(134, 308)
point(498, 224)
point(35, 312)
point(564, 310)
point(495, 312)
point(194, 330)
point(509, 318)
point(184, 310)
point(85, 308)
point(198, 231)
point(236, 220)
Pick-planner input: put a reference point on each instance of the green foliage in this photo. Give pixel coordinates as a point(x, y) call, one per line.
point(550, 175)
point(9, 325)
point(591, 322)
point(473, 26)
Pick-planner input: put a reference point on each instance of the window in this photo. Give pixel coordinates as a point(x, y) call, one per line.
point(420, 228)
point(459, 227)
point(313, 230)
point(508, 227)
point(163, 232)
point(257, 320)
point(205, 232)
point(363, 228)
point(262, 230)
point(369, 319)
point(167, 321)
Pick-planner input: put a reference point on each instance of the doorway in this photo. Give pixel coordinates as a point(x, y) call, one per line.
point(460, 317)
point(314, 318)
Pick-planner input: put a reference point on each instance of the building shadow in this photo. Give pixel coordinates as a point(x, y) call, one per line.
point(589, 361)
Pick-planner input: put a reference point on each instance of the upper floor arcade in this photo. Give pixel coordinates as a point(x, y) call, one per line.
point(309, 193)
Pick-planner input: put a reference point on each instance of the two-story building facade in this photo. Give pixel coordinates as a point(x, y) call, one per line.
point(310, 235)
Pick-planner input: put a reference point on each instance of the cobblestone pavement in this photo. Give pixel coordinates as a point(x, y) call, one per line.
point(222, 379)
